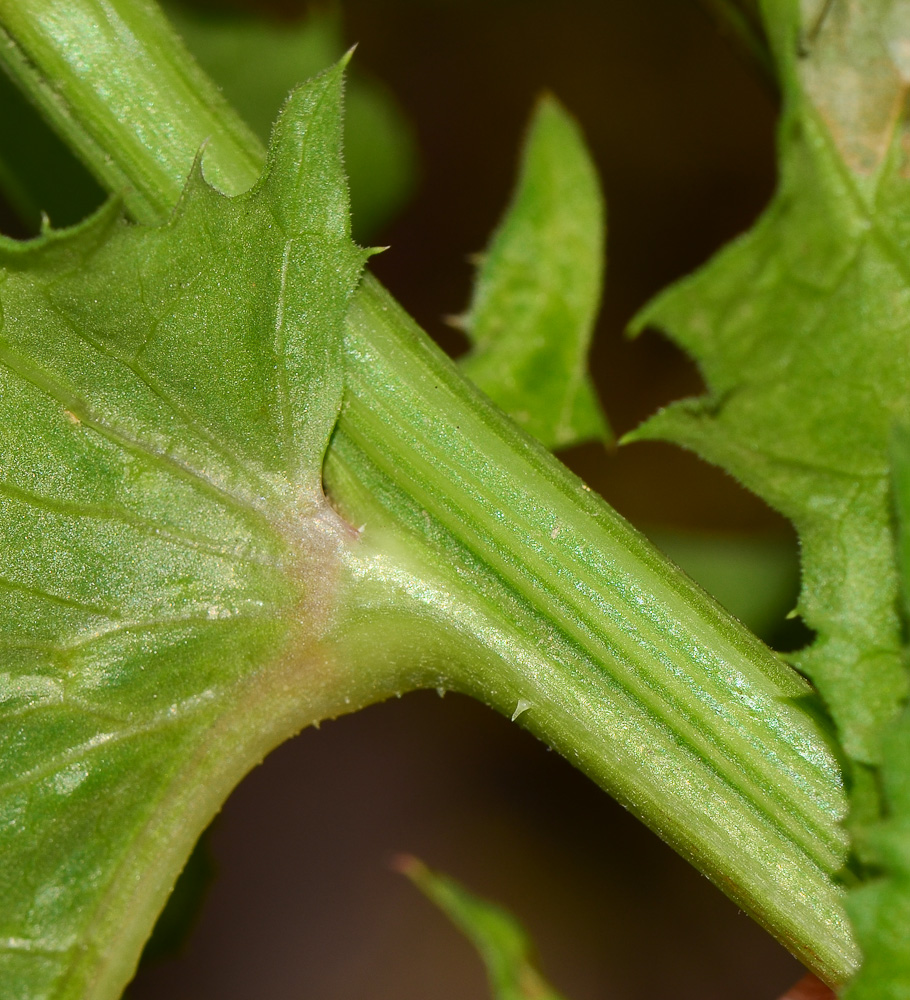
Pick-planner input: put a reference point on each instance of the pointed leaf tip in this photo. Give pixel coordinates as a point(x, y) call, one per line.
point(305, 164)
point(538, 288)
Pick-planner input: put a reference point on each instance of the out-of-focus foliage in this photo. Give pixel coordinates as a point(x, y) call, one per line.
point(498, 937)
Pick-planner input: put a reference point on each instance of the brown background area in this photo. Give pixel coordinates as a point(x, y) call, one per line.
point(304, 907)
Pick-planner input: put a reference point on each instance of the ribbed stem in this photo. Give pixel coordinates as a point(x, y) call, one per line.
point(550, 605)
point(120, 88)
point(607, 652)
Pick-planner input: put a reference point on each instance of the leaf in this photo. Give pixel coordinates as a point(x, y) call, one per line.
point(881, 909)
point(167, 560)
point(496, 934)
point(538, 290)
point(802, 331)
point(256, 62)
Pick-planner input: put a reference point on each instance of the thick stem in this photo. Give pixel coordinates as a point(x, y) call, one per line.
point(480, 544)
point(117, 84)
point(567, 618)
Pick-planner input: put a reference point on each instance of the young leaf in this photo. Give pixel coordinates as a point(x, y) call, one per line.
point(166, 556)
point(256, 62)
point(496, 934)
point(538, 290)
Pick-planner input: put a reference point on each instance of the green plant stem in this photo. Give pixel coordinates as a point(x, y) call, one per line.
point(482, 558)
point(92, 67)
point(605, 651)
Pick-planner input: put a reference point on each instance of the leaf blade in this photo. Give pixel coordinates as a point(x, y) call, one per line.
point(538, 289)
point(800, 328)
point(167, 571)
point(881, 908)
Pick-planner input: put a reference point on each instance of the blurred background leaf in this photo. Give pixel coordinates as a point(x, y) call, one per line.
point(502, 942)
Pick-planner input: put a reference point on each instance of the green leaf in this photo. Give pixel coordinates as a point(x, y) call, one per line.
point(538, 290)
point(502, 942)
point(802, 331)
point(881, 909)
point(256, 62)
point(167, 559)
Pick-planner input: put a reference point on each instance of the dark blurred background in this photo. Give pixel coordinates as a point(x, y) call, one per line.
point(304, 906)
